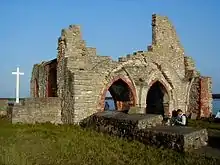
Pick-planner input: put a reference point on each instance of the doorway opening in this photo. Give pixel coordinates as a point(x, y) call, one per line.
point(52, 82)
point(157, 99)
point(121, 95)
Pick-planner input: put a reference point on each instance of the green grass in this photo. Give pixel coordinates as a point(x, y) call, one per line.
point(47, 144)
point(205, 124)
point(3, 108)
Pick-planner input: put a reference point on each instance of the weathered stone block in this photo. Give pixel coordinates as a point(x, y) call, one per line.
point(39, 110)
point(147, 129)
point(178, 138)
point(135, 121)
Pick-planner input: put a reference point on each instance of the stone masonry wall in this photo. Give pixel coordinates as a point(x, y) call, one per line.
point(194, 98)
point(42, 81)
point(74, 77)
point(34, 92)
point(164, 38)
point(39, 79)
point(205, 96)
point(39, 110)
point(86, 94)
point(65, 83)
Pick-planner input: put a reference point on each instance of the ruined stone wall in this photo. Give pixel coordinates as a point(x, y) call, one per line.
point(42, 80)
point(193, 88)
point(142, 72)
point(205, 96)
point(64, 83)
point(40, 110)
point(200, 97)
point(72, 58)
point(144, 68)
point(39, 78)
point(194, 98)
point(138, 73)
point(165, 40)
point(75, 77)
point(75, 48)
point(34, 81)
point(86, 94)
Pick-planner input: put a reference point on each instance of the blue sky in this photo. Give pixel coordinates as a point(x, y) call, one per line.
point(29, 31)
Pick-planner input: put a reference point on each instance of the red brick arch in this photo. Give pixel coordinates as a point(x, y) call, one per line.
point(125, 80)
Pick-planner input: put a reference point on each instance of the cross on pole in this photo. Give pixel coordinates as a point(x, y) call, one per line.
point(17, 73)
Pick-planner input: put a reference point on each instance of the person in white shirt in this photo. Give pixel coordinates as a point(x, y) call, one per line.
point(181, 118)
point(218, 115)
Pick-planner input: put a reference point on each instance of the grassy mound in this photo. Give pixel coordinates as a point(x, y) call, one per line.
point(47, 144)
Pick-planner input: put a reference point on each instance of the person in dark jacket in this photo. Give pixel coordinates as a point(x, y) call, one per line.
point(181, 118)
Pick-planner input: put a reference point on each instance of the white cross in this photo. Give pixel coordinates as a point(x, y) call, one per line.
point(17, 73)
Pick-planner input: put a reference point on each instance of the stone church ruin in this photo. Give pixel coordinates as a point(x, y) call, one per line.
point(73, 86)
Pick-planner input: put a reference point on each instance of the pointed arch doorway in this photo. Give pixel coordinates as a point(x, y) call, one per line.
point(157, 101)
point(122, 93)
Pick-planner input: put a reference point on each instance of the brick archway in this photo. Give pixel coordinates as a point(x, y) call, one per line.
point(158, 97)
point(120, 104)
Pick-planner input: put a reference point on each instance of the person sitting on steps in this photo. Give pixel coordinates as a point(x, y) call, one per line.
point(181, 118)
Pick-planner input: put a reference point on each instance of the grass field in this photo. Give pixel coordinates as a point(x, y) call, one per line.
point(204, 124)
point(46, 144)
